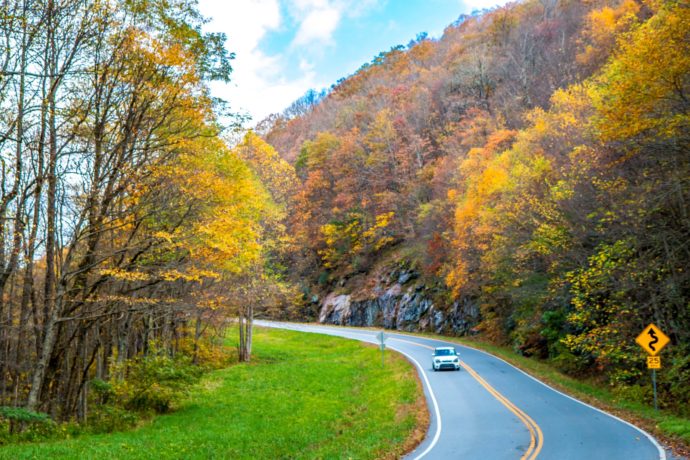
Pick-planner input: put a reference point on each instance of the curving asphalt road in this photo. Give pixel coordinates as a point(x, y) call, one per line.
point(492, 410)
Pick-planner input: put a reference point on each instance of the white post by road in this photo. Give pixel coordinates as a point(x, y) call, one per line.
point(382, 343)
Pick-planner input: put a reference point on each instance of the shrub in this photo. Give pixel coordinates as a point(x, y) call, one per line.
point(570, 363)
point(637, 393)
point(155, 382)
point(676, 380)
point(103, 391)
point(209, 353)
point(109, 418)
point(17, 423)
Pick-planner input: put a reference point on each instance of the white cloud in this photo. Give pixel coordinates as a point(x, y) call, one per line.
point(306, 66)
point(306, 5)
point(245, 22)
point(318, 19)
point(318, 26)
point(256, 87)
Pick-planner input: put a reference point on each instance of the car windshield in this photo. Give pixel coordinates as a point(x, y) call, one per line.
point(445, 352)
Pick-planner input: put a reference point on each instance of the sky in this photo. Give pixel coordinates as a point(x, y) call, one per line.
point(285, 47)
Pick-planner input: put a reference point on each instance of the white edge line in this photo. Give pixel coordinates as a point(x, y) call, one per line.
point(433, 400)
point(437, 411)
point(662, 452)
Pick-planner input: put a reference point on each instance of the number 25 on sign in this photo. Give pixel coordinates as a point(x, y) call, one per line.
point(653, 362)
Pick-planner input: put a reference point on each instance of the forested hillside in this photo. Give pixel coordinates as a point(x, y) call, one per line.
point(531, 168)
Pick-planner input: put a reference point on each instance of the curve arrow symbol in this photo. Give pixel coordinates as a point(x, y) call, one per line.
point(652, 334)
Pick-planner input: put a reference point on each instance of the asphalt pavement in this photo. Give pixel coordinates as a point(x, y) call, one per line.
point(492, 410)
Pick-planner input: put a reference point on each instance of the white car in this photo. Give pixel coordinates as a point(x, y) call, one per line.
point(445, 358)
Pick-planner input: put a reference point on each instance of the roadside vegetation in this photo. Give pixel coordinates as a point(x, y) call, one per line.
point(137, 390)
point(303, 396)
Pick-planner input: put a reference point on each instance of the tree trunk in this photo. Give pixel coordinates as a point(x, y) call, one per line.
point(241, 349)
point(197, 336)
point(250, 324)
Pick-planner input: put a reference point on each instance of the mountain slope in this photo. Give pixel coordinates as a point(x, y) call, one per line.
point(524, 176)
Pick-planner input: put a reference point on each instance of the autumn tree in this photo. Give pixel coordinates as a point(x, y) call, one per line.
point(108, 242)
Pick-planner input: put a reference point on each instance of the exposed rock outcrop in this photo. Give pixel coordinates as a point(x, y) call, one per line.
point(397, 303)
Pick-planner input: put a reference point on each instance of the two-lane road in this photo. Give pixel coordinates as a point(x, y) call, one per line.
point(492, 410)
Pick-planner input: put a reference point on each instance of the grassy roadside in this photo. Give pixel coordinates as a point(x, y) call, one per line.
point(305, 396)
point(671, 429)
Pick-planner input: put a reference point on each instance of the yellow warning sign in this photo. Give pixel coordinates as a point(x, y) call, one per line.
point(652, 340)
point(653, 362)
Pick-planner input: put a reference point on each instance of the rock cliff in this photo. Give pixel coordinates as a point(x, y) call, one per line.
point(397, 301)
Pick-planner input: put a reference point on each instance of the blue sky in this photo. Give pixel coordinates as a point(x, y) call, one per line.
point(285, 47)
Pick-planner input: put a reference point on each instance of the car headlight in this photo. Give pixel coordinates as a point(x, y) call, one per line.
point(436, 361)
point(456, 360)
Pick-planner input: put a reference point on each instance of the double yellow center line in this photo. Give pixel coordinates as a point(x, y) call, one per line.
point(536, 436)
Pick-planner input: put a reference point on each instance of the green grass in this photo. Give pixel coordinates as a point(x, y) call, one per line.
point(671, 428)
point(304, 396)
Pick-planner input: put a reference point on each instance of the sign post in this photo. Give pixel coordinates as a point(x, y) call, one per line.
point(652, 340)
point(382, 343)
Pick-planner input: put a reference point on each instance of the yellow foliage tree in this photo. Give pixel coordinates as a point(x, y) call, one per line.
point(644, 90)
